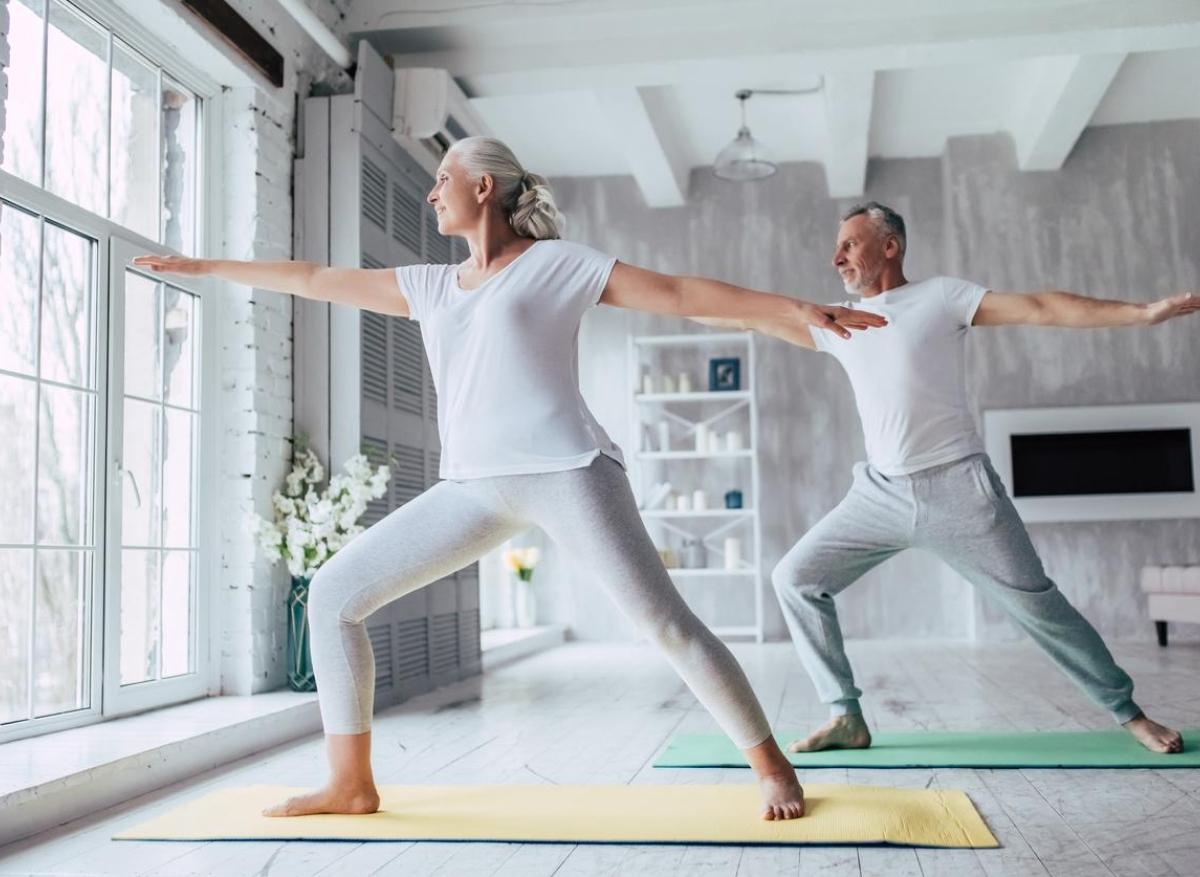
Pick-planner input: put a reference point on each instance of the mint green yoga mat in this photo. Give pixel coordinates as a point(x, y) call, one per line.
point(950, 749)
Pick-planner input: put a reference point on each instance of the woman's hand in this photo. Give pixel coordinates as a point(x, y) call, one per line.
point(836, 319)
point(174, 265)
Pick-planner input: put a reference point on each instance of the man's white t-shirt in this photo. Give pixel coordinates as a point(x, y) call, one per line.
point(505, 361)
point(909, 378)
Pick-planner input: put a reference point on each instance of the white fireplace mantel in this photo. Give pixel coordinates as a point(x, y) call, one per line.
point(999, 425)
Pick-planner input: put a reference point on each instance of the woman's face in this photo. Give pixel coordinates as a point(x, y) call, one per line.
point(456, 199)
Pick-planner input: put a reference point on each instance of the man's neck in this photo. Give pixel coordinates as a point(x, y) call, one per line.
point(889, 279)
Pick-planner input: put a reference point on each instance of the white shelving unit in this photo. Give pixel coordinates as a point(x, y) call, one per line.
point(683, 410)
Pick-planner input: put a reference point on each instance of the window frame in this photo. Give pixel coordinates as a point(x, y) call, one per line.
point(113, 243)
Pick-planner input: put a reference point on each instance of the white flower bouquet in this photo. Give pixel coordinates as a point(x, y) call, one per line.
point(522, 561)
point(311, 525)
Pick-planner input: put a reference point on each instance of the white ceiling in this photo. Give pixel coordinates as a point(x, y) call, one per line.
point(589, 87)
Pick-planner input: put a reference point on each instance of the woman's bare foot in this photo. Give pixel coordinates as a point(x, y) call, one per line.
point(328, 800)
point(1152, 735)
point(783, 798)
point(840, 732)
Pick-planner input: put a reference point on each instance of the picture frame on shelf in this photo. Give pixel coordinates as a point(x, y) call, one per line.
point(725, 374)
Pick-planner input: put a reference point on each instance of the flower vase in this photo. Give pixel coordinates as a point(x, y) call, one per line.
point(525, 609)
point(299, 660)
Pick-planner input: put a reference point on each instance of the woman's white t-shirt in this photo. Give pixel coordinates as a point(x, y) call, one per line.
point(505, 361)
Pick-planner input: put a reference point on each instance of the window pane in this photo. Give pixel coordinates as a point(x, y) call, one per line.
point(67, 308)
point(16, 589)
point(23, 108)
point(64, 466)
point(179, 164)
point(76, 108)
point(143, 335)
point(20, 245)
point(17, 412)
point(177, 613)
point(141, 516)
point(178, 437)
point(59, 657)
point(179, 346)
point(134, 164)
point(139, 616)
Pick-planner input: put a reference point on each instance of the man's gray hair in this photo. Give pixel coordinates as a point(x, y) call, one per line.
point(885, 219)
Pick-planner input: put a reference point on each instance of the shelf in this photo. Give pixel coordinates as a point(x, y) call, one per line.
point(710, 572)
point(678, 340)
point(745, 630)
point(693, 455)
point(694, 396)
point(698, 513)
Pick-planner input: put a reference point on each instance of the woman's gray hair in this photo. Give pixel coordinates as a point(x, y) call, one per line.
point(524, 197)
point(886, 220)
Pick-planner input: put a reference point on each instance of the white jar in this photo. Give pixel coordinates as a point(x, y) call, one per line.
point(699, 500)
point(685, 382)
point(733, 440)
point(702, 438)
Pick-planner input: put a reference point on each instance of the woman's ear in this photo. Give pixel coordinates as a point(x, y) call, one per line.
point(484, 187)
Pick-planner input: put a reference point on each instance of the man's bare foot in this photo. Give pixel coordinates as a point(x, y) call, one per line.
point(840, 732)
point(1152, 735)
point(328, 800)
point(783, 798)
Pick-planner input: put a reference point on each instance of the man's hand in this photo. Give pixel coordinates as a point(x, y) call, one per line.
point(1168, 308)
point(836, 319)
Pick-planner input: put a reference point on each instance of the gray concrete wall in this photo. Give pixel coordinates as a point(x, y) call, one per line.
point(1117, 221)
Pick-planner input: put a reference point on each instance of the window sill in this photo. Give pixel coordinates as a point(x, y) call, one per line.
point(504, 644)
point(52, 779)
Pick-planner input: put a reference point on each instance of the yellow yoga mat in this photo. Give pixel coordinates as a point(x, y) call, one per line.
point(652, 814)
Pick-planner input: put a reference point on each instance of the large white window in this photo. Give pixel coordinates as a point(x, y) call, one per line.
point(102, 377)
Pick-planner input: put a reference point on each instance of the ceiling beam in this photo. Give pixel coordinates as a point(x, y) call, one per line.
point(581, 48)
point(647, 144)
point(1063, 95)
point(848, 101)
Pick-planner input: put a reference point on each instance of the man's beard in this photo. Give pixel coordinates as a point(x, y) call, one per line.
point(855, 287)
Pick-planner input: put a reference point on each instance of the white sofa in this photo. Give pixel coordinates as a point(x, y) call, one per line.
point(1172, 594)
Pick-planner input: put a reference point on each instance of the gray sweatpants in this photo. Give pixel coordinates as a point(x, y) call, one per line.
point(960, 512)
point(589, 513)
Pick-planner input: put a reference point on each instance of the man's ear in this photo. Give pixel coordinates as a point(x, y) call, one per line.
point(891, 247)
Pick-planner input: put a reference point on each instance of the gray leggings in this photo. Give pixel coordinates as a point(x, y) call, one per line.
point(960, 512)
point(588, 512)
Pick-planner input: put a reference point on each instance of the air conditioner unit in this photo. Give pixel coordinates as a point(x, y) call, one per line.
point(429, 107)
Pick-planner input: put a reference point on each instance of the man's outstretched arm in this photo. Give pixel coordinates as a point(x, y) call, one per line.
point(1057, 308)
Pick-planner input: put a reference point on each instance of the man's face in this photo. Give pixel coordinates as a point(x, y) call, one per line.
point(860, 255)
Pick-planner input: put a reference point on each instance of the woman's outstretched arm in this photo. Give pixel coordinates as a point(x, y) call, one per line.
point(374, 289)
point(726, 304)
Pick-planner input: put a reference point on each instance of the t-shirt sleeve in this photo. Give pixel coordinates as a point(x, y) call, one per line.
point(419, 286)
point(591, 269)
point(820, 338)
point(962, 298)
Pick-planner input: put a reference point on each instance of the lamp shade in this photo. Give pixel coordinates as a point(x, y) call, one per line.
point(744, 159)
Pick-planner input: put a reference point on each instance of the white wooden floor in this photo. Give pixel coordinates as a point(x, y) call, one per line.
point(598, 714)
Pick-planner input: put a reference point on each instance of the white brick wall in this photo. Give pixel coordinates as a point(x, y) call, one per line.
point(256, 349)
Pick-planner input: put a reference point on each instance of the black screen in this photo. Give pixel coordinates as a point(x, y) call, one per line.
point(1083, 463)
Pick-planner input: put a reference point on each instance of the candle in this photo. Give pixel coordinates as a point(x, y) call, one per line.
point(733, 552)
